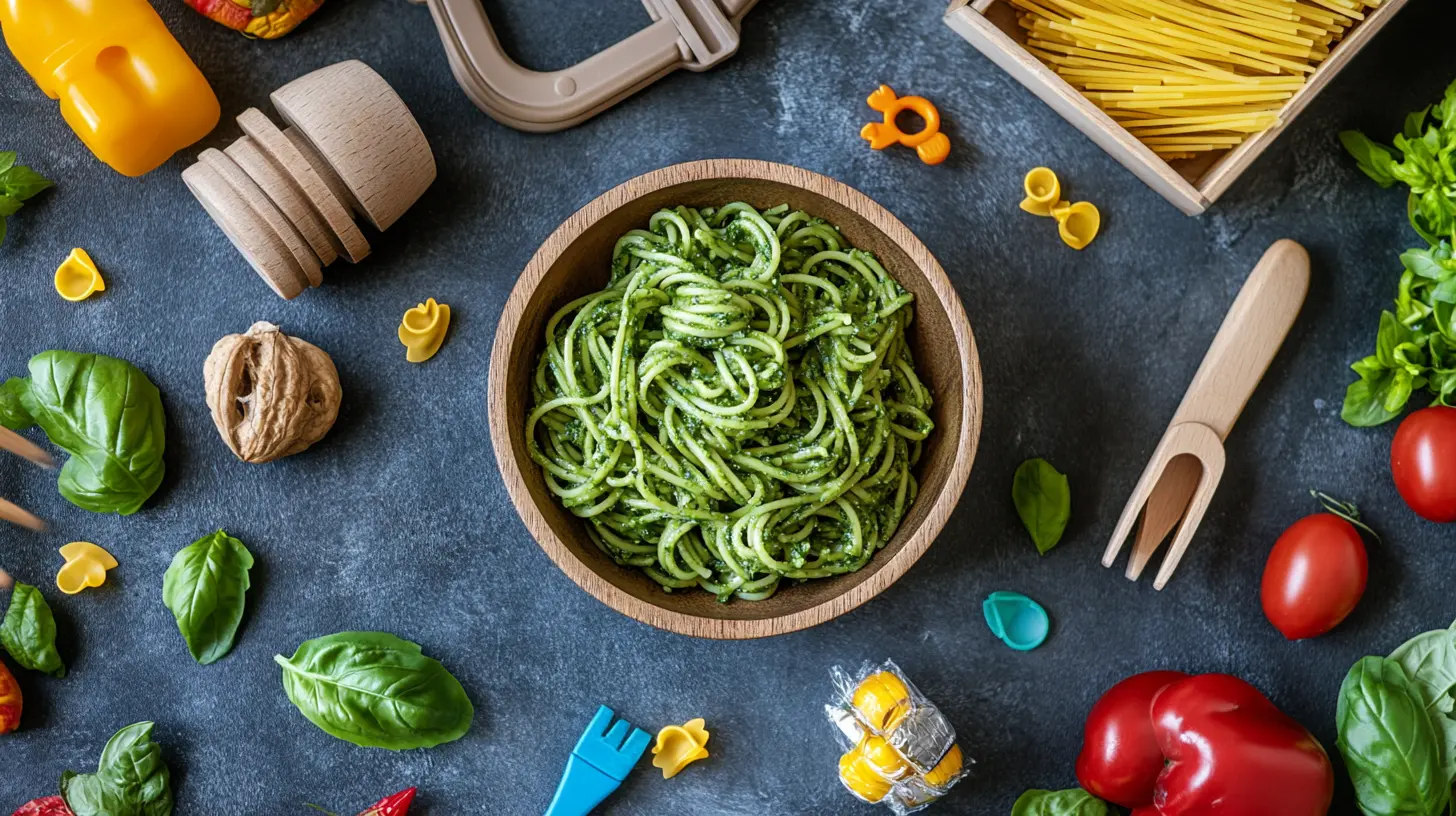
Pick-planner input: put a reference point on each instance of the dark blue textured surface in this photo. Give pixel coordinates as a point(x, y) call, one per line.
point(398, 521)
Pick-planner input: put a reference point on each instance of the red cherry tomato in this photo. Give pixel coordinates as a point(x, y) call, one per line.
point(1315, 576)
point(1423, 462)
point(1120, 759)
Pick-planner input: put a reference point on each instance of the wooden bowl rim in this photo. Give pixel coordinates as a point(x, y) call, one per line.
point(695, 625)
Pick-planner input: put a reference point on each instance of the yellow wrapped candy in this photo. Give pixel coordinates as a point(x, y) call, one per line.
point(882, 700)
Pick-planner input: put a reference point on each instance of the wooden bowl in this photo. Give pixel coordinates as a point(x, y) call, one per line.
point(575, 260)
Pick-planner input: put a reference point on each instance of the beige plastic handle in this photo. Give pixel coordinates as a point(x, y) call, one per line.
point(1250, 336)
point(692, 34)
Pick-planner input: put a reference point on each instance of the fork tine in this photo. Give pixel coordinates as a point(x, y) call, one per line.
point(1133, 509)
point(636, 744)
point(1165, 506)
point(599, 721)
point(615, 737)
point(1213, 463)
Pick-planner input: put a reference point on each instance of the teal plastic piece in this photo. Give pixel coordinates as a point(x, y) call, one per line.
point(1017, 620)
point(600, 761)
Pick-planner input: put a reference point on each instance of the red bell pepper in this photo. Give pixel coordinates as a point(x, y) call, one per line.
point(1212, 746)
point(1120, 759)
point(395, 805)
point(1231, 751)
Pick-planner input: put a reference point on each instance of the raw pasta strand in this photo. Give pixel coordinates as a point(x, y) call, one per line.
point(1213, 72)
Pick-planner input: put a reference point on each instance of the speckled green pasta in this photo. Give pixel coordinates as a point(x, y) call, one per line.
point(738, 406)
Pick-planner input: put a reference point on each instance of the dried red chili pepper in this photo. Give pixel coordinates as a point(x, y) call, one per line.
point(395, 805)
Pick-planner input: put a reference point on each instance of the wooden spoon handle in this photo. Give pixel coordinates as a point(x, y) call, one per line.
point(20, 446)
point(1249, 338)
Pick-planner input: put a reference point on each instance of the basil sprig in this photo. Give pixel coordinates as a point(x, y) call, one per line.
point(1043, 500)
point(205, 587)
point(18, 183)
point(376, 690)
point(29, 632)
point(1395, 730)
point(1074, 802)
point(131, 779)
point(1415, 347)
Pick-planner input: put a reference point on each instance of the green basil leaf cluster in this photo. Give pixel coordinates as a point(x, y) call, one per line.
point(29, 632)
point(106, 414)
point(131, 779)
point(376, 690)
point(1395, 731)
point(18, 184)
point(1043, 500)
point(206, 588)
point(1074, 802)
point(1415, 347)
point(1416, 344)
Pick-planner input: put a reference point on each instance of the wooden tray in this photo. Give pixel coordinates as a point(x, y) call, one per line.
point(1192, 185)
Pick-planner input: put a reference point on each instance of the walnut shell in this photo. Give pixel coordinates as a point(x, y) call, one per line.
point(271, 395)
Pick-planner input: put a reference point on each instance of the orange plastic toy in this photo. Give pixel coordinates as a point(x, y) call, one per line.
point(932, 145)
point(124, 84)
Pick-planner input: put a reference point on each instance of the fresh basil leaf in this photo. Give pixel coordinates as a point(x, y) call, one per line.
point(1429, 661)
point(131, 779)
point(1420, 220)
point(9, 205)
point(205, 587)
point(29, 632)
point(1373, 160)
point(7, 160)
point(1426, 263)
point(1366, 398)
point(12, 412)
point(1415, 123)
point(1445, 291)
point(108, 416)
point(22, 182)
point(1043, 500)
point(376, 690)
point(1390, 746)
point(3, 229)
point(1074, 802)
point(1392, 333)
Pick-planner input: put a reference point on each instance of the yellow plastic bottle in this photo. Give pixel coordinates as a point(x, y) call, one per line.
point(124, 83)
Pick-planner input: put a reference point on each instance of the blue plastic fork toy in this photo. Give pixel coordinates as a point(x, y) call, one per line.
point(597, 765)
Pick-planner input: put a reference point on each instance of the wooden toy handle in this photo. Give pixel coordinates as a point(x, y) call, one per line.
point(1249, 338)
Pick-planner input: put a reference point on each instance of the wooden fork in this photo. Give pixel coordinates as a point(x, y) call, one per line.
point(1185, 468)
point(19, 445)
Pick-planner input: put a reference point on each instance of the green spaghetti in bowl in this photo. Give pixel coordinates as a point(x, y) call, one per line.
point(738, 407)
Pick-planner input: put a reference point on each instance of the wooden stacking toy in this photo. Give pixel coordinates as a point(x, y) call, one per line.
point(287, 197)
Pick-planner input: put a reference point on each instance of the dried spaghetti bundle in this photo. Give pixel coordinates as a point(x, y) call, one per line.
point(1188, 76)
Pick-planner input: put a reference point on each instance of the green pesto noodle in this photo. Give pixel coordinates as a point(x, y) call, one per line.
point(738, 407)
